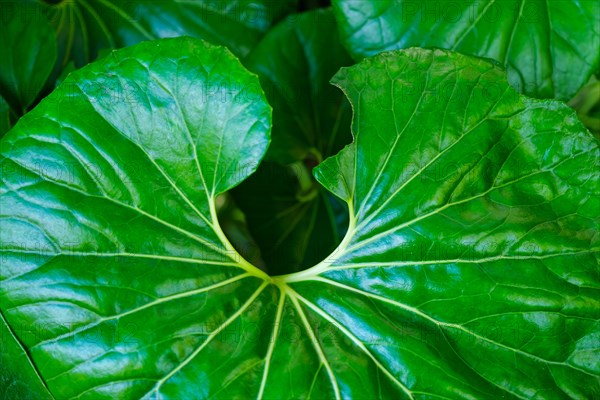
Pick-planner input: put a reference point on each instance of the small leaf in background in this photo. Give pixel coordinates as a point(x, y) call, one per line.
point(469, 270)
point(550, 48)
point(295, 62)
point(27, 56)
point(294, 220)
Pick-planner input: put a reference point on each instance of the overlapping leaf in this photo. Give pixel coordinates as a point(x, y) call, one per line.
point(473, 239)
point(550, 48)
point(470, 268)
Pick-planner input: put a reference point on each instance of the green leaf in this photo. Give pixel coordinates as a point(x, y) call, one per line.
point(291, 217)
point(470, 269)
point(28, 54)
point(295, 62)
point(550, 48)
point(123, 163)
point(473, 237)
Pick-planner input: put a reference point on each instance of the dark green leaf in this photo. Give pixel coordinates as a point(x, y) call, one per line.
point(295, 62)
point(4, 117)
point(549, 47)
point(289, 214)
point(470, 268)
point(27, 57)
point(87, 28)
point(293, 232)
point(84, 27)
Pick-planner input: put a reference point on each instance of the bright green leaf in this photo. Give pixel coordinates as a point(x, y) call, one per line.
point(129, 174)
point(470, 268)
point(550, 47)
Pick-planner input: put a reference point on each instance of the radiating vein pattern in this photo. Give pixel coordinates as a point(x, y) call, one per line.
point(462, 243)
point(470, 268)
point(110, 246)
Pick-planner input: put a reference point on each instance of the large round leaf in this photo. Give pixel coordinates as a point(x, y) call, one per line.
point(470, 268)
point(549, 47)
point(108, 196)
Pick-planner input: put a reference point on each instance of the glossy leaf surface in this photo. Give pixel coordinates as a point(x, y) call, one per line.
point(109, 218)
point(550, 48)
point(289, 214)
point(470, 268)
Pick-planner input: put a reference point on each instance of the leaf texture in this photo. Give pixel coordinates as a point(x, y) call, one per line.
point(469, 270)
